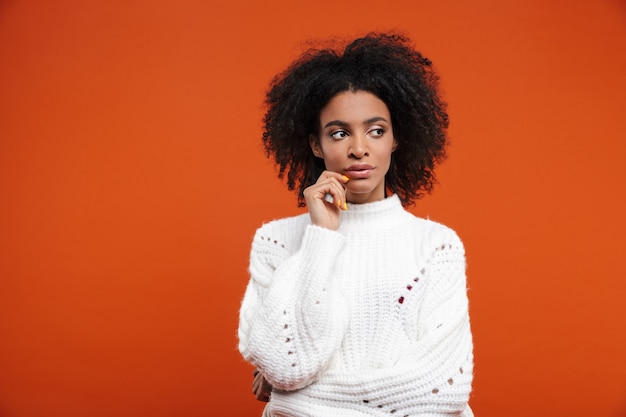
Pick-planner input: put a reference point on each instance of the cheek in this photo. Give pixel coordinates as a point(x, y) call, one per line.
point(385, 151)
point(333, 156)
point(332, 163)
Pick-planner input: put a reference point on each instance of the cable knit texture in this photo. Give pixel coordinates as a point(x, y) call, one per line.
point(368, 320)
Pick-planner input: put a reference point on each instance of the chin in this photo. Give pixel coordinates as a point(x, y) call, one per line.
point(368, 195)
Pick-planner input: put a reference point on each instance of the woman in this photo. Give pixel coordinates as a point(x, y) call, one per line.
point(358, 308)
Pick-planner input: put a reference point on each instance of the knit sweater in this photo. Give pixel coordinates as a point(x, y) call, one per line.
point(368, 320)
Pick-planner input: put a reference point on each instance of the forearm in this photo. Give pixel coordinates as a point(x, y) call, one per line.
point(434, 375)
point(425, 379)
point(295, 323)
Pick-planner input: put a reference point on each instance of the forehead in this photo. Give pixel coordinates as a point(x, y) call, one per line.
point(354, 106)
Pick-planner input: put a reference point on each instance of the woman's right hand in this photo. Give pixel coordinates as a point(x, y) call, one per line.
point(323, 213)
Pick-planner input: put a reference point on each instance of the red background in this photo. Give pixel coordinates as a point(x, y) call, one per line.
point(132, 180)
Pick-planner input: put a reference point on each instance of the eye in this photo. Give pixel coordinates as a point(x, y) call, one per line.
point(339, 134)
point(377, 132)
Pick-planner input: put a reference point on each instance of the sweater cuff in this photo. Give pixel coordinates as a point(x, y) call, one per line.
point(321, 246)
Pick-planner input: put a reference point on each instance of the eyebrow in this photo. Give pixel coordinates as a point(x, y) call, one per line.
point(341, 123)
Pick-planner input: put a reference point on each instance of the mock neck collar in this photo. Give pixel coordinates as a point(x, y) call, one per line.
point(378, 213)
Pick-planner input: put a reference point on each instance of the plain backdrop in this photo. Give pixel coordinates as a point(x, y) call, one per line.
point(132, 181)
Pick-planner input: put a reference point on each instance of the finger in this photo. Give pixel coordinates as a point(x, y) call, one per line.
point(331, 174)
point(262, 393)
point(256, 383)
point(267, 387)
point(325, 180)
point(263, 397)
point(339, 195)
point(328, 190)
point(329, 184)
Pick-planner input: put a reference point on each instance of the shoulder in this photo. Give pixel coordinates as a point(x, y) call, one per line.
point(441, 231)
point(433, 234)
point(286, 225)
point(282, 233)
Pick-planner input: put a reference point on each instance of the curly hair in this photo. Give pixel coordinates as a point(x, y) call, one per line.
point(385, 65)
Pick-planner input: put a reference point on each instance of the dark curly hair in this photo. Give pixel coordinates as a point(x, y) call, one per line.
point(385, 65)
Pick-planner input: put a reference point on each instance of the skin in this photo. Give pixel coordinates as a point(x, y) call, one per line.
point(355, 141)
point(260, 387)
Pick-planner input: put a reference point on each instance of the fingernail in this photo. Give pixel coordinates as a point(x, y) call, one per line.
point(345, 205)
point(339, 203)
point(346, 178)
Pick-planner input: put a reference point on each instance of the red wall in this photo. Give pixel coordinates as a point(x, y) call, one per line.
point(132, 180)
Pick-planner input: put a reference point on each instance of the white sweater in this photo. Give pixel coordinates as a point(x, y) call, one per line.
point(368, 320)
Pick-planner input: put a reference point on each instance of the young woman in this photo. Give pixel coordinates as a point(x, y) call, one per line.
point(358, 308)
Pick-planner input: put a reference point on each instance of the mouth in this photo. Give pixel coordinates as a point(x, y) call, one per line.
point(359, 171)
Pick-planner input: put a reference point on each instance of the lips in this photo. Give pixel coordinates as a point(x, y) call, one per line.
point(357, 171)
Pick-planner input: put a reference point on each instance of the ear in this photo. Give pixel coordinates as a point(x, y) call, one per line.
point(394, 146)
point(314, 143)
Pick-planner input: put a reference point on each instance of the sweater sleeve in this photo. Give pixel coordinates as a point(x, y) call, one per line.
point(434, 375)
point(291, 318)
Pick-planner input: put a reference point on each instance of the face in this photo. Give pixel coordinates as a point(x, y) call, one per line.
point(356, 139)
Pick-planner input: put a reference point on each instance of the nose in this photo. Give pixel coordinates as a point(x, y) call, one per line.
point(358, 147)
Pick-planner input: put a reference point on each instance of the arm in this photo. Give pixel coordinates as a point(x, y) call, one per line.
point(292, 319)
point(435, 375)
